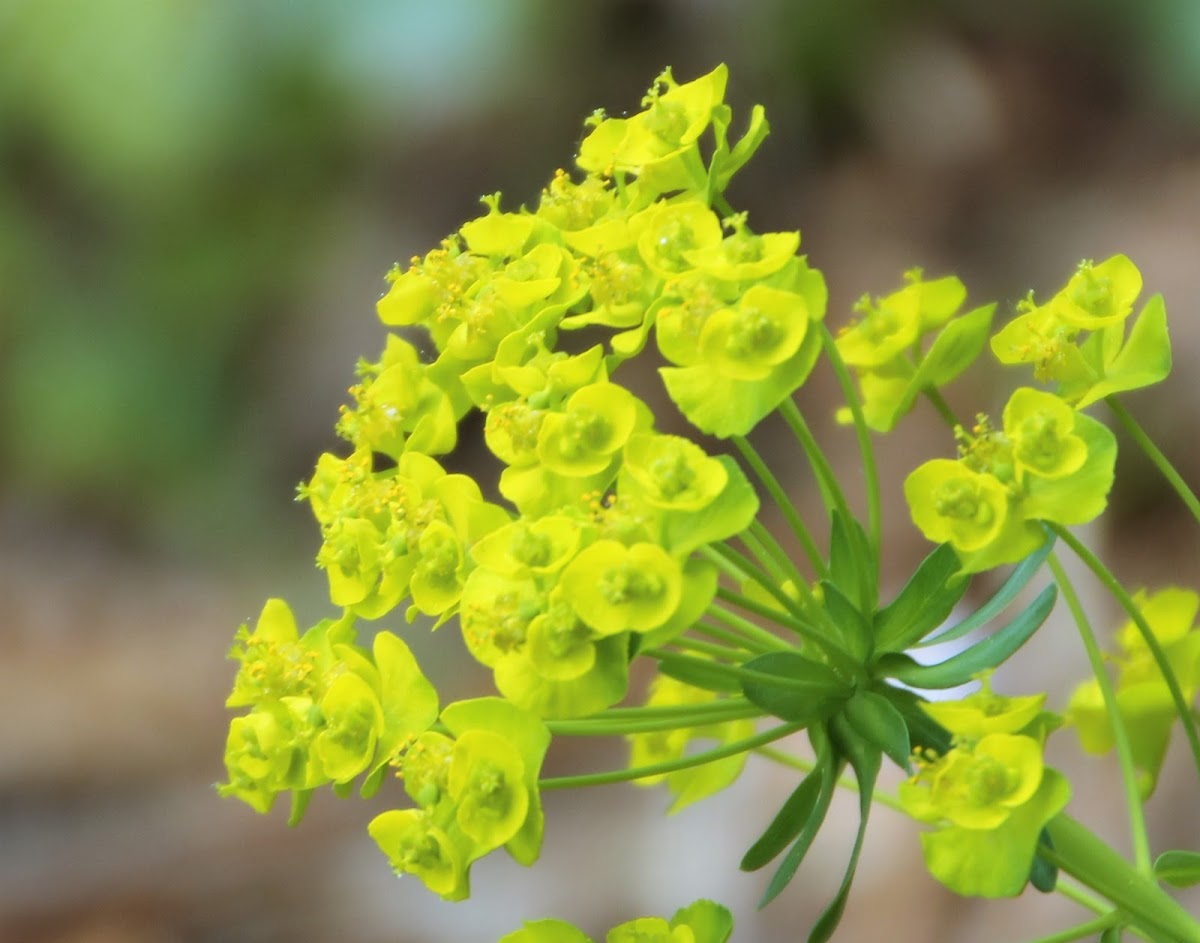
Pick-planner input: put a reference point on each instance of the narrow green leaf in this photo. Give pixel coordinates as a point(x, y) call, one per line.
point(924, 603)
point(805, 692)
point(791, 818)
point(876, 720)
point(1043, 875)
point(853, 630)
point(865, 760)
point(1178, 868)
point(984, 654)
point(1112, 934)
point(1016, 582)
point(852, 565)
point(300, 800)
point(924, 732)
point(956, 347)
point(698, 673)
point(791, 862)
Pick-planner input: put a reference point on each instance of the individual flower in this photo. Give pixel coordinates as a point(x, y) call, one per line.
point(952, 504)
point(1143, 698)
point(989, 799)
point(615, 588)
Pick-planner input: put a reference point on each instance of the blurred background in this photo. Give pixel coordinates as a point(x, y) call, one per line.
point(198, 202)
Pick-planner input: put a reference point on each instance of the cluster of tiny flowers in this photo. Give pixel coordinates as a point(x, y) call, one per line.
point(597, 541)
point(990, 795)
point(884, 345)
point(1078, 340)
point(1048, 462)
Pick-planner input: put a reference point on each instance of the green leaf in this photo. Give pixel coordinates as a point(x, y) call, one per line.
point(924, 603)
point(865, 760)
point(300, 800)
point(956, 347)
point(852, 565)
point(725, 161)
point(853, 629)
point(1044, 875)
point(805, 690)
point(789, 821)
point(923, 731)
point(1112, 934)
point(697, 672)
point(1144, 359)
point(832, 768)
point(1178, 868)
point(987, 653)
point(1016, 582)
point(880, 724)
point(730, 513)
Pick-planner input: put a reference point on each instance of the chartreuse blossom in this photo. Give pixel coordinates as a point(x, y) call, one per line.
point(322, 709)
point(1143, 699)
point(1095, 302)
point(1047, 463)
point(885, 347)
point(618, 536)
point(990, 795)
point(475, 789)
point(700, 922)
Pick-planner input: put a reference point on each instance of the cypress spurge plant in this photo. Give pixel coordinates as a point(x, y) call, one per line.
point(613, 540)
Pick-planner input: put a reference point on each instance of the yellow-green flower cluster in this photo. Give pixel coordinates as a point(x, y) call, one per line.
point(990, 795)
point(884, 345)
point(475, 786)
point(1047, 463)
point(700, 922)
point(1143, 698)
point(1078, 340)
point(323, 710)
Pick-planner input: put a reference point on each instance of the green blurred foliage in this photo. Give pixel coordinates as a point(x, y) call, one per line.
point(169, 173)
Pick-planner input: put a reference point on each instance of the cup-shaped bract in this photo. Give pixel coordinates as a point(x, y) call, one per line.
point(615, 588)
point(1099, 295)
point(487, 784)
point(952, 504)
point(1040, 427)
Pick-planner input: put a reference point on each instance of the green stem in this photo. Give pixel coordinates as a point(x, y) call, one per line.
point(863, 433)
point(831, 491)
point(943, 408)
point(1146, 444)
point(722, 652)
point(846, 782)
point(670, 766)
point(1133, 801)
point(1126, 602)
point(714, 714)
point(764, 474)
point(1094, 864)
point(839, 659)
point(733, 672)
point(730, 638)
point(759, 638)
point(764, 548)
point(1067, 887)
point(738, 568)
point(1082, 931)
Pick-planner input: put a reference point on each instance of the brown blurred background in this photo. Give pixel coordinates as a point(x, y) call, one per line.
point(198, 201)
